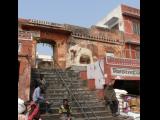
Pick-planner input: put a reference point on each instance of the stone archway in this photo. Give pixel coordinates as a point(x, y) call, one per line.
point(45, 59)
point(84, 59)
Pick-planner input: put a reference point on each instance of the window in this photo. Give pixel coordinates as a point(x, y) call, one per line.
point(116, 27)
point(19, 47)
point(85, 59)
point(136, 28)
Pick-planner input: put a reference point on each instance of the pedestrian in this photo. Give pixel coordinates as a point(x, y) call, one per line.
point(65, 110)
point(39, 98)
point(111, 99)
point(42, 81)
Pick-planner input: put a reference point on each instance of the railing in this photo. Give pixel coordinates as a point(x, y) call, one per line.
point(123, 61)
point(76, 91)
point(41, 22)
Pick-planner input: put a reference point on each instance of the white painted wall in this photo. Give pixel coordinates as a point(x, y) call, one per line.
point(44, 57)
point(117, 12)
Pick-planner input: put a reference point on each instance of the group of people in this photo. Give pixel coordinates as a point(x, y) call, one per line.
point(39, 99)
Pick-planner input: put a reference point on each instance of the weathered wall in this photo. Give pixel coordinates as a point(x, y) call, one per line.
point(24, 79)
point(94, 50)
point(94, 42)
point(24, 58)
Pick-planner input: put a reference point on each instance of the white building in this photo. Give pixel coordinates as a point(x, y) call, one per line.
point(116, 18)
point(44, 61)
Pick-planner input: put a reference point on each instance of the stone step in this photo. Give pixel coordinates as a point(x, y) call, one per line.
point(50, 83)
point(53, 81)
point(47, 70)
point(79, 115)
point(59, 81)
point(81, 102)
point(55, 110)
point(54, 72)
point(41, 70)
point(80, 93)
point(105, 117)
point(65, 94)
point(79, 98)
point(58, 78)
point(52, 92)
point(78, 109)
point(55, 76)
point(56, 86)
point(60, 86)
point(76, 90)
point(73, 103)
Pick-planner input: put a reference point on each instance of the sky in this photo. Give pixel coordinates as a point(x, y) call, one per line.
point(83, 13)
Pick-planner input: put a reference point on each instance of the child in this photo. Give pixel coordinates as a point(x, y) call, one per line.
point(65, 110)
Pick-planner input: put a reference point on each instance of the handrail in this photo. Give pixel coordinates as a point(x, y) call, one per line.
point(78, 94)
point(86, 116)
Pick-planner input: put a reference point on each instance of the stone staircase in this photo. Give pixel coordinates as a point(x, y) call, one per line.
point(57, 91)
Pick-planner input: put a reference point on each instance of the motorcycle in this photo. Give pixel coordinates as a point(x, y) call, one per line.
point(33, 111)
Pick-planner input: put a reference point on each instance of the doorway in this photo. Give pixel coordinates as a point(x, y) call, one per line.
point(45, 54)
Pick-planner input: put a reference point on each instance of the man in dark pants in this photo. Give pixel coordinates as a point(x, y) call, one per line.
point(111, 99)
point(39, 99)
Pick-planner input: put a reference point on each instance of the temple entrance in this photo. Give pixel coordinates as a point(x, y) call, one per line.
point(85, 59)
point(45, 54)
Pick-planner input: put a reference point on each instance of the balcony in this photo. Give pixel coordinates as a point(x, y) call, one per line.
point(123, 61)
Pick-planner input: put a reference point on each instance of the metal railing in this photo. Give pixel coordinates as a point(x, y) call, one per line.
point(70, 90)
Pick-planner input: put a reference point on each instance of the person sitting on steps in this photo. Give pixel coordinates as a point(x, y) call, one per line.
point(42, 81)
point(65, 110)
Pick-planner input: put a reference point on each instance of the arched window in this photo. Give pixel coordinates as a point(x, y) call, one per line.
point(85, 59)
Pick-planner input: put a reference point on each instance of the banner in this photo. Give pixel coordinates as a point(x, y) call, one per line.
point(99, 74)
point(90, 71)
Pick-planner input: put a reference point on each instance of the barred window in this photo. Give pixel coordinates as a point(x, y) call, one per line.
point(136, 28)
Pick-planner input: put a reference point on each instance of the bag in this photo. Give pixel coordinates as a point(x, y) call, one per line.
point(21, 108)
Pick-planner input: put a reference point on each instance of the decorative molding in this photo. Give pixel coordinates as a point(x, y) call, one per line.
point(28, 35)
point(97, 38)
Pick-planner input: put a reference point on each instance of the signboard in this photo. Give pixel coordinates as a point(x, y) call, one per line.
point(125, 72)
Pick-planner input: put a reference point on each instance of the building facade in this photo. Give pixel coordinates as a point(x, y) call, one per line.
point(72, 45)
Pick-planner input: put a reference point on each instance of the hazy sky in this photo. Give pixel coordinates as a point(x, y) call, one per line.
point(77, 12)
